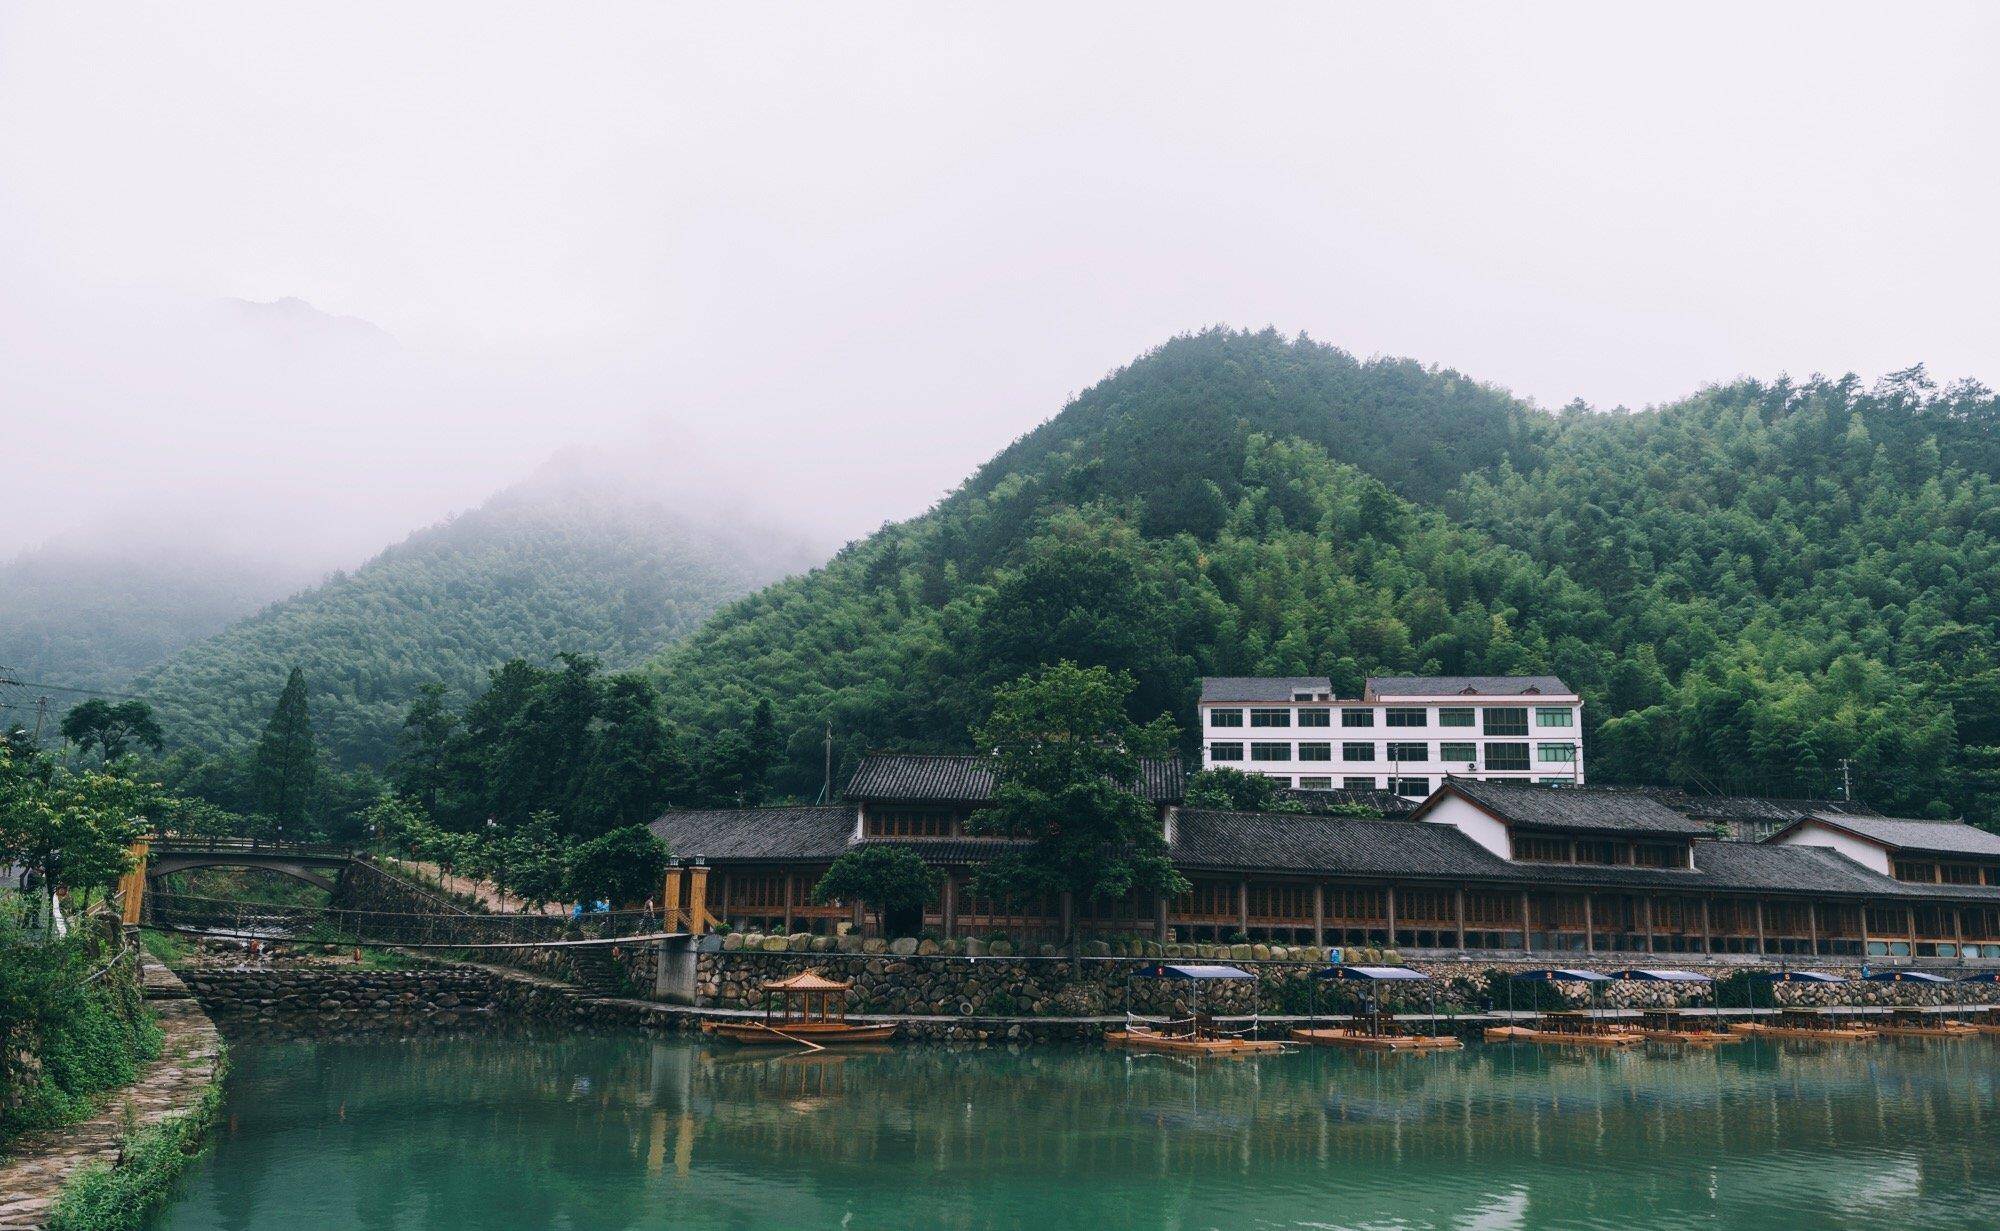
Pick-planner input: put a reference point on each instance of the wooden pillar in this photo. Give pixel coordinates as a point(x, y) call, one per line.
point(950, 905)
point(1160, 917)
point(1389, 910)
point(1864, 929)
point(1707, 928)
point(1068, 914)
point(1910, 921)
point(670, 898)
point(1243, 906)
point(697, 910)
point(132, 886)
point(1589, 925)
point(1461, 918)
point(1958, 932)
point(790, 897)
point(1527, 926)
point(1759, 904)
point(1319, 913)
point(1812, 925)
point(1646, 910)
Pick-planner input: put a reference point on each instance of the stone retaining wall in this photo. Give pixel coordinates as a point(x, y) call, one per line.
point(317, 999)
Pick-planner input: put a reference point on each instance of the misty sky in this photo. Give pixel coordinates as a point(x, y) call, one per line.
point(834, 256)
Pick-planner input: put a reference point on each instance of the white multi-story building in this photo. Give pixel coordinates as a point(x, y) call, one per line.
point(1404, 734)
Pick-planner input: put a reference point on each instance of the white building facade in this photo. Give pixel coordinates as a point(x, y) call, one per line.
point(1404, 734)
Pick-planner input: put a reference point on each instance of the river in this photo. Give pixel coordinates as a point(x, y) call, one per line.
point(602, 1131)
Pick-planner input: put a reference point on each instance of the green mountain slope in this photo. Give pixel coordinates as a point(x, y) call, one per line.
point(1747, 587)
point(534, 572)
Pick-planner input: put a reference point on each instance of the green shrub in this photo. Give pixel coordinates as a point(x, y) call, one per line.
point(105, 1198)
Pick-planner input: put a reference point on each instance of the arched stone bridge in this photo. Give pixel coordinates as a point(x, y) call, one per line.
point(316, 865)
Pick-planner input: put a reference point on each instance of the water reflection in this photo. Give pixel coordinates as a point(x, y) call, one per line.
point(621, 1131)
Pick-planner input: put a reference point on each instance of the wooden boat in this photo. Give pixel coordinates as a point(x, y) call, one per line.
point(1339, 1037)
point(1145, 1038)
point(1668, 1026)
point(1581, 1030)
point(802, 1010)
point(1802, 1026)
point(823, 1034)
point(1910, 1024)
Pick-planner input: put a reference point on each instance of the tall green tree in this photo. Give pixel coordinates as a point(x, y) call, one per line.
point(1067, 768)
point(112, 729)
point(889, 880)
point(421, 770)
point(636, 765)
point(621, 867)
point(73, 830)
point(285, 765)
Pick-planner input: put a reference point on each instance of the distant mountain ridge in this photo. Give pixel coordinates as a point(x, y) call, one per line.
point(540, 569)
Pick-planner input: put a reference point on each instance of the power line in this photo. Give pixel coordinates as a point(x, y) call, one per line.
point(94, 692)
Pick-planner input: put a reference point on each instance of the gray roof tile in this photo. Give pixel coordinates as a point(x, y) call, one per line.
point(1384, 686)
point(1261, 687)
point(1596, 809)
point(781, 835)
point(969, 779)
point(1910, 834)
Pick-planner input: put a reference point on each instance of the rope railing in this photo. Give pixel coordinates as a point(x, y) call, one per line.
point(416, 930)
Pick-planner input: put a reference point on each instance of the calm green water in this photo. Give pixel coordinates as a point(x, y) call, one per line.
point(616, 1131)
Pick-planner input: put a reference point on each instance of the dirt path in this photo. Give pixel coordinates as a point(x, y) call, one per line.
point(485, 892)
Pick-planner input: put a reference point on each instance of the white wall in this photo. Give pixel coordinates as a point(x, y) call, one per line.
point(1868, 854)
point(1474, 823)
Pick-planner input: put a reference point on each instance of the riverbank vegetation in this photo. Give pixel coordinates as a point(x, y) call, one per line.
point(102, 1197)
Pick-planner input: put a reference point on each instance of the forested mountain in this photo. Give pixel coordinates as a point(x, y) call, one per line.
point(1752, 584)
point(93, 616)
point(542, 569)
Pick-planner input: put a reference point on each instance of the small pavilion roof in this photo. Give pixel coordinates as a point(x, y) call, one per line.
point(1661, 976)
point(1193, 972)
point(1794, 976)
point(806, 981)
point(1376, 974)
point(1904, 976)
point(1561, 976)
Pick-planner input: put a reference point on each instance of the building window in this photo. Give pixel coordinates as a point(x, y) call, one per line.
point(1409, 752)
point(1408, 718)
point(1468, 753)
point(1455, 716)
point(1357, 752)
point(1416, 788)
point(1315, 752)
point(1542, 850)
point(1270, 718)
point(1556, 754)
point(1357, 718)
point(1280, 781)
point(1225, 752)
point(1357, 784)
point(1555, 782)
point(1315, 718)
point(905, 823)
point(1924, 872)
point(1554, 716)
point(1659, 855)
point(1598, 850)
point(1225, 718)
point(1506, 720)
point(1270, 752)
point(1310, 783)
point(1960, 874)
point(1506, 756)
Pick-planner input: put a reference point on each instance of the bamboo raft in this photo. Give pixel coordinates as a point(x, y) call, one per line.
point(1906, 1025)
point(1142, 1038)
point(1667, 1026)
point(1576, 1038)
point(804, 1010)
point(1337, 1037)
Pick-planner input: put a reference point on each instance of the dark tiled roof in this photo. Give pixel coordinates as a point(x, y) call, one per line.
point(1385, 803)
point(948, 850)
point(1261, 687)
point(1750, 807)
point(969, 779)
point(1907, 834)
point(1287, 841)
point(1576, 808)
point(766, 834)
point(1380, 686)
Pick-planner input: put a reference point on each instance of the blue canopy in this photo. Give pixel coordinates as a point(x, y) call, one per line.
point(1904, 976)
point(1562, 976)
point(1984, 976)
point(1794, 976)
point(1192, 972)
point(1661, 976)
point(1379, 974)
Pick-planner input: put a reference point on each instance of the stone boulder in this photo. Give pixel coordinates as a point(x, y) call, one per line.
point(975, 947)
point(732, 943)
point(776, 944)
point(903, 946)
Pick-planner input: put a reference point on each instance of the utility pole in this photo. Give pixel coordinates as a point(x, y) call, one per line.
point(826, 783)
point(1846, 782)
point(41, 712)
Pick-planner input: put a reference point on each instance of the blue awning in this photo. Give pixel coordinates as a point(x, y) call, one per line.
point(1794, 976)
point(1562, 976)
point(1192, 972)
point(1380, 974)
point(1904, 976)
point(1662, 976)
point(1984, 976)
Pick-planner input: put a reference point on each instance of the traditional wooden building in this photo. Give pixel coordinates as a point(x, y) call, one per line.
point(1478, 867)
